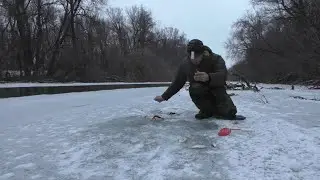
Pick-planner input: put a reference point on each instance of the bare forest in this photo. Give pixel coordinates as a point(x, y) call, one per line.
point(79, 40)
point(277, 42)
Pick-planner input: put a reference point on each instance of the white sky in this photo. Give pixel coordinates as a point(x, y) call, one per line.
point(208, 20)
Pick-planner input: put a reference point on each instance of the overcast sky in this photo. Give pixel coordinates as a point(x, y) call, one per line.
point(208, 20)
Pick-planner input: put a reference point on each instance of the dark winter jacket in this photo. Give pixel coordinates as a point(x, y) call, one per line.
point(212, 63)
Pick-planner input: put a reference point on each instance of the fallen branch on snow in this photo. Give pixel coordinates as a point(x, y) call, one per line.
point(275, 88)
point(244, 86)
point(303, 98)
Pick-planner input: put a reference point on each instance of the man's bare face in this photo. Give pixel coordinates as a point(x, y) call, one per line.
point(196, 58)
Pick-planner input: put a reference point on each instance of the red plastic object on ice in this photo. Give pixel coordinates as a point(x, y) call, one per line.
point(225, 131)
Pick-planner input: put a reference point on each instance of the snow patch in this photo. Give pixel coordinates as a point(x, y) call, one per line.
point(23, 156)
point(36, 176)
point(6, 176)
point(25, 166)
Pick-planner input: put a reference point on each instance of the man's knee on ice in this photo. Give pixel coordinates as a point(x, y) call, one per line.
point(225, 105)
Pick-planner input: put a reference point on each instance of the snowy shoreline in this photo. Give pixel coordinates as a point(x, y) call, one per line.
point(53, 84)
point(20, 85)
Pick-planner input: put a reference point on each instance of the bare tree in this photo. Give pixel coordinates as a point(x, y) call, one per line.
point(279, 42)
point(119, 27)
point(77, 40)
point(141, 24)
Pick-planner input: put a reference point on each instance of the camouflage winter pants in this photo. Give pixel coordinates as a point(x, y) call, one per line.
point(214, 101)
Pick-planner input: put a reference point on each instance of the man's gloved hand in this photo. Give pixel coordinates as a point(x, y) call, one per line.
point(159, 99)
point(201, 76)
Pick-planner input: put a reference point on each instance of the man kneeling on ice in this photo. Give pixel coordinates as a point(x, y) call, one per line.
point(207, 74)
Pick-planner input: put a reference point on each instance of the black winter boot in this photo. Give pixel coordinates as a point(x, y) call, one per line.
point(202, 115)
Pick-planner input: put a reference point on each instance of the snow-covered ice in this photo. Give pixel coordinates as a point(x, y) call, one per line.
point(110, 135)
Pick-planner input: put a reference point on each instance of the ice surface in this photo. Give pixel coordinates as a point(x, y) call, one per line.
point(111, 135)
